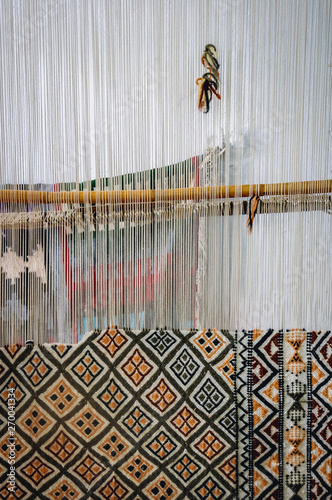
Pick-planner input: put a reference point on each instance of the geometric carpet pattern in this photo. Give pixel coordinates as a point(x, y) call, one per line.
point(169, 414)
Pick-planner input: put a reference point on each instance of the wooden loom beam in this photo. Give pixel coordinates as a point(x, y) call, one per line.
point(166, 195)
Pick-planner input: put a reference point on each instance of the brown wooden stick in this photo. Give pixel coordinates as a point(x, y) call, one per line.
point(166, 195)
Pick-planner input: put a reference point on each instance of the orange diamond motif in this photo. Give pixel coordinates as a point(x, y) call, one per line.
point(162, 397)
point(61, 397)
point(210, 445)
point(19, 393)
point(37, 471)
point(136, 368)
point(209, 342)
point(89, 469)
point(88, 422)
point(162, 445)
point(20, 448)
point(36, 370)
point(228, 468)
point(35, 422)
point(185, 421)
point(113, 490)
point(62, 447)
point(161, 489)
point(186, 468)
point(112, 341)
point(210, 490)
point(113, 446)
point(87, 368)
point(64, 490)
point(137, 468)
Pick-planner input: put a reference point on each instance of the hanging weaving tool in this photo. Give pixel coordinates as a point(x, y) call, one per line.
point(208, 84)
point(253, 206)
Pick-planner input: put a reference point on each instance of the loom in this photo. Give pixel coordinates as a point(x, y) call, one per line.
point(136, 138)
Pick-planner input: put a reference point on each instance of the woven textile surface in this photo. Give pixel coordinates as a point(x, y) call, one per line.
point(169, 415)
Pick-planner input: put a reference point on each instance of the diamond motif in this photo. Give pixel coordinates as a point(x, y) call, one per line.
point(113, 446)
point(184, 367)
point(209, 342)
point(210, 445)
point(210, 490)
point(161, 446)
point(136, 368)
point(20, 448)
point(37, 470)
point(228, 422)
point(20, 394)
point(35, 422)
point(137, 468)
point(61, 397)
point(87, 368)
point(36, 370)
point(161, 489)
point(112, 396)
point(113, 490)
point(228, 468)
point(137, 421)
point(62, 447)
point(64, 490)
point(185, 421)
point(209, 396)
point(186, 468)
point(18, 493)
point(88, 422)
point(112, 340)
point(89, 469)
point(226, 369)
point(161, 341)
point(161, 397)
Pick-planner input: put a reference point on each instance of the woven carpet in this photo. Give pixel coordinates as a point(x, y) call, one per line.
point(156, 415)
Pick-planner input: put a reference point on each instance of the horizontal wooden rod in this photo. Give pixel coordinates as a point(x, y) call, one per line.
point(166, 195)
